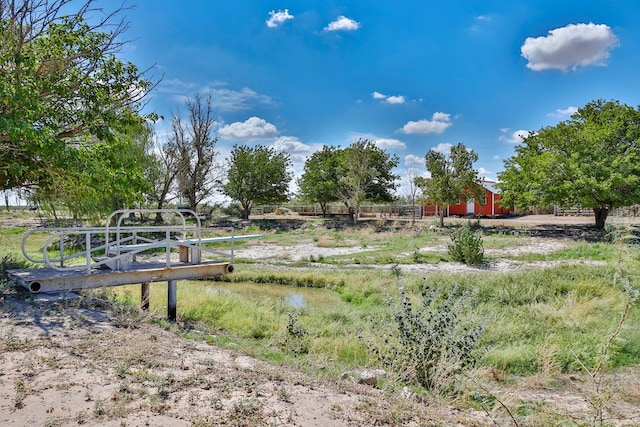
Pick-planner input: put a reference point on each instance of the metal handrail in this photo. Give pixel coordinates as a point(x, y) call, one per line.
point(114, 250)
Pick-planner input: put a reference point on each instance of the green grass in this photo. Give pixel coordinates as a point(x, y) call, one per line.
point(561, 315)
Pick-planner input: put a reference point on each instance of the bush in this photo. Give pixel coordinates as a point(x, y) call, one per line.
point(466, 246)
point(430, 345)
point(9, 262)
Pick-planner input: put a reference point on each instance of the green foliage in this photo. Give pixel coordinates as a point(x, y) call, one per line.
point(63, 89)
point(432, 343)
point(319, 182)
point(365, 173)
point(351, 175)
point(111, 175)
point(452, 177)
point(257, 175)
point(591, 161)
point(466, 246)
point(9, 262)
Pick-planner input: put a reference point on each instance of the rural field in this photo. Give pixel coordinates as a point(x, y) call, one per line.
point(327, 324)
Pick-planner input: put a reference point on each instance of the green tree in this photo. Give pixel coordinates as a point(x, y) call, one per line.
point(106, 176)
point(319, 182)
point(365, 172)
point(62, 89)
point(257, 175)
point(591, 160)
point(193, 143)
point(452, 177)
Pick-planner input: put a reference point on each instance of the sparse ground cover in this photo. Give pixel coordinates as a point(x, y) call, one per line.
point(318, 298)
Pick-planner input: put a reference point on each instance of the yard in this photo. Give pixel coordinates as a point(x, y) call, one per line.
point(290, 337)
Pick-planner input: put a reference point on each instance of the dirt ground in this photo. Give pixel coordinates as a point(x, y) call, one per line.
point(69, 363)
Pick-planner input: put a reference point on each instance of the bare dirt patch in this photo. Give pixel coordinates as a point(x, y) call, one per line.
point(64, 365)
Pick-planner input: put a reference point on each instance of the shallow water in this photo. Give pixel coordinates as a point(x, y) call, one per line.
point(292, 296)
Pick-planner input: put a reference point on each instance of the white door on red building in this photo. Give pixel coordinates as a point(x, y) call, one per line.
point(471, 206)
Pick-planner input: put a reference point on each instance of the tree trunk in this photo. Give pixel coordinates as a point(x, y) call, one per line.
point(601, 213)
point(323, 206)
point(159, 219)
point(352, 214)
point(441, 217)
point(246, 210)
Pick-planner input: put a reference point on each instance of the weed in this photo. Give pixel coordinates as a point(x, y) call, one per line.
point(21, 391)
point(433, 343)
point(466, 246)
point(247, 410)
point(98, 408)
point(599, 394)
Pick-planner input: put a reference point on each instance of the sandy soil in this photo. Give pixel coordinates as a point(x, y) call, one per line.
point(78, 363)
point(68, 363)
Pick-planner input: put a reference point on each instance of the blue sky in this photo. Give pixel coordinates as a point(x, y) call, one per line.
point(411, 75)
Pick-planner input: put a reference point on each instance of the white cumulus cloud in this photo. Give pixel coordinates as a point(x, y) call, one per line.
point(439, 123)
point(291, 145)
point(570, 47)
point(278, 18)
point(394, 99)
point(513, 137)
point(399, 99)
point(412, 160)
point(342, 24)
point(443, 148)
point(253, 127)
point(387, 143)
point(569, 111)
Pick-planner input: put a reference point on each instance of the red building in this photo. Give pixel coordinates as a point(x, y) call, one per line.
point(473, 207)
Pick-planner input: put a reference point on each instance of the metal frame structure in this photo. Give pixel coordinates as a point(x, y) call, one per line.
point(112, 260)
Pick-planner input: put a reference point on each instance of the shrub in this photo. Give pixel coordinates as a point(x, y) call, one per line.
point(431, 344)
point(466, 246)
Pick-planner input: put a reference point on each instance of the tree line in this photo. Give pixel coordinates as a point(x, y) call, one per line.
point(72, 135)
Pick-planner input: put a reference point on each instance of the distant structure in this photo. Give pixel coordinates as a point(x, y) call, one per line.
point(490, 208)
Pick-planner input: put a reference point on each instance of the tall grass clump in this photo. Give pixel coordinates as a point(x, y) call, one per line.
point(466, 246)
point(432, 341)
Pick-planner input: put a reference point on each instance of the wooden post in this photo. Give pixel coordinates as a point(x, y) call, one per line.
point(184, 253)
point(144, 298)
point(172, 300)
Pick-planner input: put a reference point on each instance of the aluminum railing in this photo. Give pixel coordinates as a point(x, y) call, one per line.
point(116, 245)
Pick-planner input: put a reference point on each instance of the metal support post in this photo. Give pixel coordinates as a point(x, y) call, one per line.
point(172, 300)
point(144, 299)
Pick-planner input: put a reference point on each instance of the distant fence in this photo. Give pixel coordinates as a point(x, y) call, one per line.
point(372, 211)
point(574, 211)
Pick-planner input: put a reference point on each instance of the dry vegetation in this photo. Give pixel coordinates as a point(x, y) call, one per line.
point(95, 361)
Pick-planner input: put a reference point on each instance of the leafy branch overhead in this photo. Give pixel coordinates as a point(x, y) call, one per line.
point(63, 90)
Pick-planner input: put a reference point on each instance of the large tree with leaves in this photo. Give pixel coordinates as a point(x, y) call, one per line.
point(591, 160)
point(257, 175)
point(319, 182)
point(365, 173)
point(452, 177)
point(106, 176)
point(62, 89)
point(351, 175)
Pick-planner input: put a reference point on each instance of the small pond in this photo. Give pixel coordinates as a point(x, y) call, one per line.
point(295, 297)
